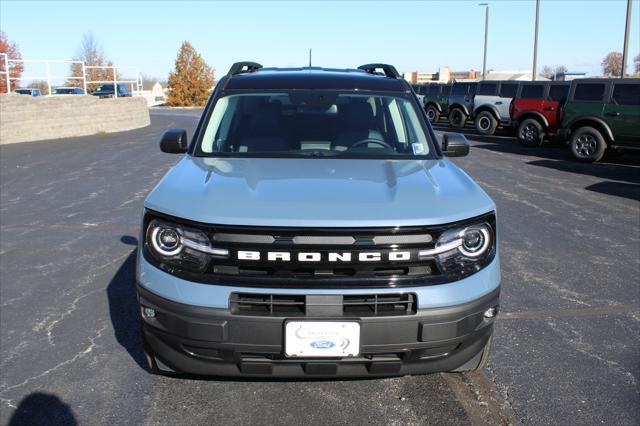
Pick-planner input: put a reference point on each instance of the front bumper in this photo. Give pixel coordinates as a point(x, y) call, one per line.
point(213, 341)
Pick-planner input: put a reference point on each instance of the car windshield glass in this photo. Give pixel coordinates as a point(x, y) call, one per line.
point(105, 88)
point(307, 123)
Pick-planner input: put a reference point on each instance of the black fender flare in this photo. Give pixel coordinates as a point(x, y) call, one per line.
point(435, 105)
point(487, 107)
point(572, 125)
point(460, 106)
point(534, 114)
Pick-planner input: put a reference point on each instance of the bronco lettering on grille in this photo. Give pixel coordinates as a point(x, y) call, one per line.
point(285, 256)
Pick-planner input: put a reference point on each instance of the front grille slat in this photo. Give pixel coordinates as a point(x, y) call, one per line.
point(367, 305)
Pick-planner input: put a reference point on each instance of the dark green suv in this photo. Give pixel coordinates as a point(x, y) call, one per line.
point(436, 101)
point(601, 114)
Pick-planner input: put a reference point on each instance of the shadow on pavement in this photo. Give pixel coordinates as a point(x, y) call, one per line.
point(618, 189)
point(123, 307)
point(39, 408)
point(617, 172)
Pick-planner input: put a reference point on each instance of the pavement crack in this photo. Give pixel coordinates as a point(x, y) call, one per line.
point(86, 351)
point(48, 325)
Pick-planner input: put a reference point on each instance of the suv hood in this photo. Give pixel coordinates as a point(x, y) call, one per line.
point(318, 192)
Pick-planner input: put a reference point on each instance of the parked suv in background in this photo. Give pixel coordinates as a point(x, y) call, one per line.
point(491, 105)
point(461, 103)
point(314, 227)
point(421, 90)
point(601, 114)
point(28, 91)
point(68, 91)
point(436, 101)
point(106, 91)
point(537, 108)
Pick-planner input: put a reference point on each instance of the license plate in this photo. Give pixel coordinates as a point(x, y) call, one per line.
point(322, 339)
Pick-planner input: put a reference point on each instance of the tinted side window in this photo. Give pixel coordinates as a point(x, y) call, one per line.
point(558, 93)
point(508, 90)
point(433, 89)
point(487, 88)
point(532, 91)
point(459, 89)
point(446, 90)
point(589, 92)
point(472, 88)
point(626, 94)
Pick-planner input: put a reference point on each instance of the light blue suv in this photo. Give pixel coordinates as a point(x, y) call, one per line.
point(314, 227)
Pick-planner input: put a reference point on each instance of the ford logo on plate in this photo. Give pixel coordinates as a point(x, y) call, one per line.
point(322, 344)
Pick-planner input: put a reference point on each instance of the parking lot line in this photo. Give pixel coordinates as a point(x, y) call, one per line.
point(572, 312)
point(480, 399)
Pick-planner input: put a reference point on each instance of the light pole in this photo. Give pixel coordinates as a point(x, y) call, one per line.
point(486, 33)
point(535, 42)
point(626, 39)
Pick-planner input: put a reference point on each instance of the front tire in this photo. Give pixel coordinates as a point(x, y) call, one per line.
point(530, 133)
point(486, 123)
point(587, 144)
point(457, 118)
point(432, 114)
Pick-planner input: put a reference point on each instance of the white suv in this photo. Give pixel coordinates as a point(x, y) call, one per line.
point(491, 105)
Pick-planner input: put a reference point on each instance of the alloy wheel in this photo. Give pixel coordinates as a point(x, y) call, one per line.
point(586, 145)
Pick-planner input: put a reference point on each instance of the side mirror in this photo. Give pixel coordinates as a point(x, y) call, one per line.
point(454, 145)
point(174, 141)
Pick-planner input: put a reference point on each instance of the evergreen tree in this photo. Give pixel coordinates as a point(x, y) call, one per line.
point(191, 80)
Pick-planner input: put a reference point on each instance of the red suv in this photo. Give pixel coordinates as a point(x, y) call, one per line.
point(537, 108)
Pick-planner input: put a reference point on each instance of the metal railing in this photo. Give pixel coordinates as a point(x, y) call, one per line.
point(5, 60)
point(115, 81)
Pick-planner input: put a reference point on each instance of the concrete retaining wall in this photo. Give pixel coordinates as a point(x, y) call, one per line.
point(24, 118)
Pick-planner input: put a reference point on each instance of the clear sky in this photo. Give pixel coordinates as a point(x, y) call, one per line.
point(413, 35)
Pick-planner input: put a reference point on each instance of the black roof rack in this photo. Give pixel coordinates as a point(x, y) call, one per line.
point(389, 70)
point(238, 67)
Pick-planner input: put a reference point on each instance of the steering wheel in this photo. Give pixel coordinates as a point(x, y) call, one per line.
point(368, 140)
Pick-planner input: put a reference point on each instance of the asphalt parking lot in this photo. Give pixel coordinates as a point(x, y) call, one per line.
point(567, 347)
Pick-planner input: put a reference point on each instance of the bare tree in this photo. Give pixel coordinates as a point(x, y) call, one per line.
point(551, 72)
point(92, 54)
point(40, 84)
point(149, 81)
point(612, 64)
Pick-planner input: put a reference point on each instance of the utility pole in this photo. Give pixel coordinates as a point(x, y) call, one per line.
point(626, 39)
point(309, 58)
point(535, 42)
point(486, 34)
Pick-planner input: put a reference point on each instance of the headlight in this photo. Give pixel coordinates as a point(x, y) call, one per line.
point(463, 250)
point(180, 246)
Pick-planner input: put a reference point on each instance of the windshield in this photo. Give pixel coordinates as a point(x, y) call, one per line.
point(105, 88)
point(315, 124)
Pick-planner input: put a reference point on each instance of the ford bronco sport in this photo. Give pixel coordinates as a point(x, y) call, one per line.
point(314, 227)
point(461, 103)
point(601, 114)
point(537, 108)
point(491, 105)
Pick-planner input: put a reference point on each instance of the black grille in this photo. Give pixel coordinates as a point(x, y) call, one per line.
point(267, 304)
point(368, 305)
point(387, 271)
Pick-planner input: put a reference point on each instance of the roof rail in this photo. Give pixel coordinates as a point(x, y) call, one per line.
point(389, 70)
point(238, 67)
